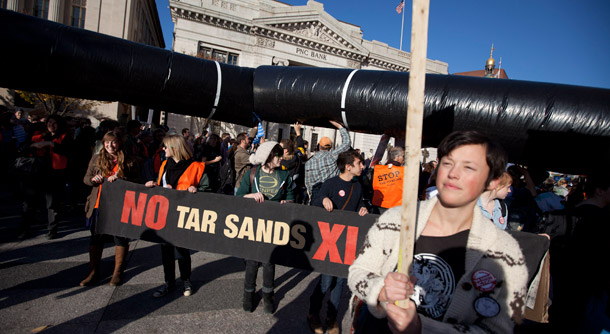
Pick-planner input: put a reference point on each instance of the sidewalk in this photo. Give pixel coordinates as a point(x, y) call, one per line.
point(39, 288)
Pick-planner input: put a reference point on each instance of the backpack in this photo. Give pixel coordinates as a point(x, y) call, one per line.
point(503, 207)
point(227, 177)
point(558, 223)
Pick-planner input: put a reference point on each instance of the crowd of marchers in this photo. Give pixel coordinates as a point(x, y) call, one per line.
point(468, 272)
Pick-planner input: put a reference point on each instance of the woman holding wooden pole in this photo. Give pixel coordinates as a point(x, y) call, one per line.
point(467, 275)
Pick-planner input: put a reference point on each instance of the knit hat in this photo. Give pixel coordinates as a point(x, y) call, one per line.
point(326, 142)
point(262, 153)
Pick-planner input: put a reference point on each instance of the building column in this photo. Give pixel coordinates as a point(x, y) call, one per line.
point(12, 5)
point(54, 6)
point(279, 61)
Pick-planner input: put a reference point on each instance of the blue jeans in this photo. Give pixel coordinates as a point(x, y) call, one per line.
point(327, 282)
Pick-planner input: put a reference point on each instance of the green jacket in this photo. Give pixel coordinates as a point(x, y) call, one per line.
point(285, 192)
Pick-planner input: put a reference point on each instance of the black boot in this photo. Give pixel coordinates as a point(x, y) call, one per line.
point(269, 303)
point(248, 301)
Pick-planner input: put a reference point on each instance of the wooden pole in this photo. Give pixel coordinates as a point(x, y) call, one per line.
point(415, 116)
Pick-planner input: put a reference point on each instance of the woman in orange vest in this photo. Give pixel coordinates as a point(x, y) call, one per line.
point(109, 165)
point(53, 147)
point(178, 172)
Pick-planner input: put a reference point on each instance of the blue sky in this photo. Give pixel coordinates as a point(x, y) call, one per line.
point(558, 41)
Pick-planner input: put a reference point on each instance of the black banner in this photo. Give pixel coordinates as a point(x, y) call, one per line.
point(291, 235)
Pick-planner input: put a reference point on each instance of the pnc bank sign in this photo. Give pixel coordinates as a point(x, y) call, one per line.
point(311, 54)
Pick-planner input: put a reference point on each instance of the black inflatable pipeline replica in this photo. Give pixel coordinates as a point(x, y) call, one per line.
point(559, 127)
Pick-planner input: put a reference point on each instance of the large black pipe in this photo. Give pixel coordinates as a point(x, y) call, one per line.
point(532, 120)
point(47, 57)
point(562, 127)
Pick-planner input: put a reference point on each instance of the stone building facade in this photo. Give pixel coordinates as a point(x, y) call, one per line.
point(134, 20)
point(252, 33)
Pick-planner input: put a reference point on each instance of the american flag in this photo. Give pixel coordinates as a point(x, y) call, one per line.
point(400, 7)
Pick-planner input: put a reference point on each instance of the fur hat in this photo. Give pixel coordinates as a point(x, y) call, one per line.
point(262, 153)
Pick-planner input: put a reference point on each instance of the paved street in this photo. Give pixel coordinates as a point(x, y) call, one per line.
point(39, 288)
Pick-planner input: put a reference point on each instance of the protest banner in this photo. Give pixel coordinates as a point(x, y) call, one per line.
point(291, 235)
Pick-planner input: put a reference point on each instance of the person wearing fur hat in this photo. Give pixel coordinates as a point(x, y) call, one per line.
point(265, 181)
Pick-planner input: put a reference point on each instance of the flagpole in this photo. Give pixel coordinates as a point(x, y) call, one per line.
point(402, 26)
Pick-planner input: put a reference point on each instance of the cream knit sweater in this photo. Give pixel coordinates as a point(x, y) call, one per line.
point(488, 248)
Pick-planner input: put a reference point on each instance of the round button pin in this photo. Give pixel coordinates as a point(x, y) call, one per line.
point(483, 280)
point(486, 307)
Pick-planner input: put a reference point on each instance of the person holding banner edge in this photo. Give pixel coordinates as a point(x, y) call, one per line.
point(342, 192)
point(467, 274)
point(264, 181)
point(178, 172)
point(109, 165)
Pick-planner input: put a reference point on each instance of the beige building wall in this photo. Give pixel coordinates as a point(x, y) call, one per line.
point(266, 32)
point(134, 20)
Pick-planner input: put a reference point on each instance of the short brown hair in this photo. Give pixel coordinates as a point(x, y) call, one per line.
point(347, 158)
point(495, 154)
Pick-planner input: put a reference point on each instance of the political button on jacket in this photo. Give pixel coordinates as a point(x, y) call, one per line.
point(483, 280)
point(486, 307)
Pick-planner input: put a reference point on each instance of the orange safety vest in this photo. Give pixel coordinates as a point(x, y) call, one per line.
point(58, 161)
point(387, 186)
point(99, 190)
point(191, 176)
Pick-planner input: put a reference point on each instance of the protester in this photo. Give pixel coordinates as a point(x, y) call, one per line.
point(388, 181)
point(467, 274)
point(109, 165)
point(134, 147)
point(547, 200)
point(84, 141)
point(585, 309)
point(561, 188)
point(323, 165)
point(19, 127)
point(105, 126)
point(492, 203)
point(224, 146)
point(294, 162)
point(424, 177)
point(53, 147)
point(178, 172)
point(342, 192)
point(186, 132)
point(265, 181)
point(227, 170)
point(210, 154)
point(522, 208)
point(242, 157)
